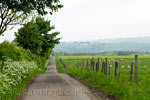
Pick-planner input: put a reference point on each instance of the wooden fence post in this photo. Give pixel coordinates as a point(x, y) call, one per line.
point(106, 60)
point(120, 64)
point(97, 65)
point(116, 67)
point(87, 64)
point(131, 72)
point(92, 63)
point(109, 69)
point(136, 68)
point(103, 66)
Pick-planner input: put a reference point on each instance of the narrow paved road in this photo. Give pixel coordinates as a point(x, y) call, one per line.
point(55, 86)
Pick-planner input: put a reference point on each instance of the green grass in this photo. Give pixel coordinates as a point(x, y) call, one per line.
point(121, 87)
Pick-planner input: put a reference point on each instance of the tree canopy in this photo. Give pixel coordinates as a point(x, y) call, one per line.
point(29, 37)
point(27, 6)
point(49, 38)
point(37, 36)
point(13, 12)
point(9, 17)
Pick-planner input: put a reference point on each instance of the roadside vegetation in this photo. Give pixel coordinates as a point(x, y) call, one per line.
point(17, 67)
point(29, 54)
point(121, 86)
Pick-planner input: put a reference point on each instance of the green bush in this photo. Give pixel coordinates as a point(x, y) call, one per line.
point(14, 75)
point(11, 51)
point(17, 67)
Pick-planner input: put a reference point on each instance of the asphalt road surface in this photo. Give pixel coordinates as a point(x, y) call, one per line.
point(55, 86)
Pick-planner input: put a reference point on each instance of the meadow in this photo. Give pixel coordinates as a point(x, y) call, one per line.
point(121, 86)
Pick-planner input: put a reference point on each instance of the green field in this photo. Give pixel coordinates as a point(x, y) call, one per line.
point(120, 87)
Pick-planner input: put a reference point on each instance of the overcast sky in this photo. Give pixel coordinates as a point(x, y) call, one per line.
point(100, 19)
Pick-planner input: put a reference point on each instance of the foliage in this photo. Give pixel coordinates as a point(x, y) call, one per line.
point(9, 50)
point(36, 36)
point(121, 87)
point(29, 37)
point(9, 17)
point(17, 67)
point(50, 39)
point(14, 12)
point(27, 6)
point(14, 75)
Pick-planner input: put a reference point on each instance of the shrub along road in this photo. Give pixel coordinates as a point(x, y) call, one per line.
point(55, 86)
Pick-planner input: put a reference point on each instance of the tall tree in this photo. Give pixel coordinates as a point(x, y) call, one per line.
point(37, 36)
point(50, 39)
point(29, 37)
point(14, 12)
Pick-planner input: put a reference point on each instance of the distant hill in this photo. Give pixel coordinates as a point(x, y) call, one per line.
point(139, 44)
